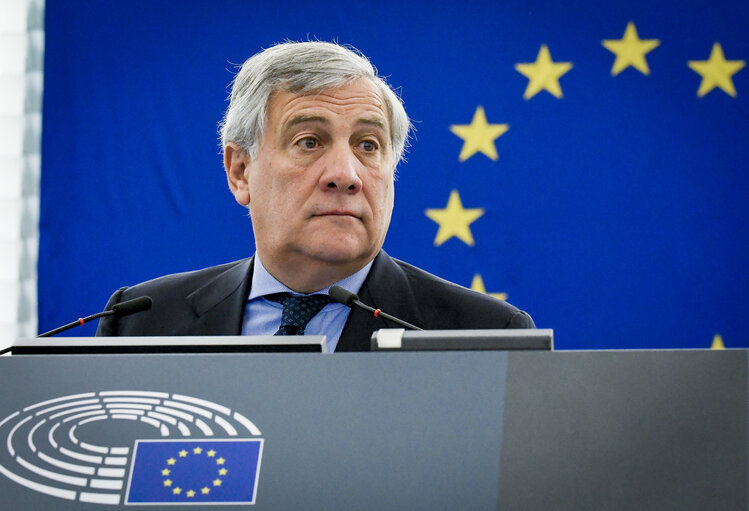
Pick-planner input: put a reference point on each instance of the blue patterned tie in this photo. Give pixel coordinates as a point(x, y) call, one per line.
point(297, 311)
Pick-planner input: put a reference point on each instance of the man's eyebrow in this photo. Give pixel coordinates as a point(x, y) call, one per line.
point(300, 119)
point(373, 121)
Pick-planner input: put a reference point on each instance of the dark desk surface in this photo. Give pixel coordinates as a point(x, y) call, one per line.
point(457, 430)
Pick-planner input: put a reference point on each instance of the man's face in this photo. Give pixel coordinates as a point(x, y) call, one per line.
point(321, 188)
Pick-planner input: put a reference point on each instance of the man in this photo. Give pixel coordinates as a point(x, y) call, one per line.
point(311, 140)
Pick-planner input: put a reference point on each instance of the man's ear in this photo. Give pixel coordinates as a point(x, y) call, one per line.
point(236, 163)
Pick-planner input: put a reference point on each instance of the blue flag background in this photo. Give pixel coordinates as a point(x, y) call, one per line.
point(614, 209)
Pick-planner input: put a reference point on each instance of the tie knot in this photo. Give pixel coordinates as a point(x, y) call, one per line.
point(297, 311)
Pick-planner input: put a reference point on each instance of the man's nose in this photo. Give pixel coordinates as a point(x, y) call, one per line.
point(341, 170)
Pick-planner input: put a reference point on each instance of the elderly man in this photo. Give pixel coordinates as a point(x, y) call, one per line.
point(311, 140)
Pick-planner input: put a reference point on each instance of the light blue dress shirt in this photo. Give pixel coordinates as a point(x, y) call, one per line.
point(263, 317)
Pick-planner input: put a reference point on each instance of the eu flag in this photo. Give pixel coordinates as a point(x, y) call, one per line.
point(195, 471)
point(586, 161)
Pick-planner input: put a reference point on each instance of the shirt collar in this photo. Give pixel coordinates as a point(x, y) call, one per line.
point(263, 283)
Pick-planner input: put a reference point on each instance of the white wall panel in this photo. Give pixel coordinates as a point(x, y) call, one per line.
point(21, 82)
point(12, 94)
point(11, 252)
point(9, 292)
point(11, 177)
point(15, 14)
point(11, 135)
point(13, 55)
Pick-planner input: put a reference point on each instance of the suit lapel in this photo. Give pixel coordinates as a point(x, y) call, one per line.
point(219, 304)
point(386, 288)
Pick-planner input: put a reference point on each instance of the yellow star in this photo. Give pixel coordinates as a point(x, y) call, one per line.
point(716, 72)
point(454, 220)
point(217, 482)
point(190, 493)
point(177, 490)
point(182, 453)
point(171, 461)
point(220, 461)
point(197, 450)
point(718, 343)
point(168, 482)
point(543, 74)
point(205, 490)
point(211, 453)
point(479, 136)
point(222, 472)
point(166, 472)
point(630, 50)
point(478, 285)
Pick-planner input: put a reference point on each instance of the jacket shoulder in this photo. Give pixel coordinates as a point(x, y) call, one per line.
point(171, 306)
point(449, 306)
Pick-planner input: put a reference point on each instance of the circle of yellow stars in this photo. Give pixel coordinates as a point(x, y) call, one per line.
point(166, 472)
point(630, 51)
point(544, 74)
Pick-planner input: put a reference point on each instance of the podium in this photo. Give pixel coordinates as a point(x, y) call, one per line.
point(431, 431)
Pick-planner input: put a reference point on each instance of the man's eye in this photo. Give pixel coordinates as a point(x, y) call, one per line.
point(368, 146)
point(308, 143)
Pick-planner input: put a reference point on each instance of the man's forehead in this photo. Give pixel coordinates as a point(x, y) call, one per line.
point(360, 102)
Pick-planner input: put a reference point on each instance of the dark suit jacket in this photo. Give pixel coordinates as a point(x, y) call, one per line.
point(212, 302)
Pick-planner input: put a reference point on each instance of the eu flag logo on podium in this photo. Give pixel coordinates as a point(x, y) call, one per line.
point(195, 472)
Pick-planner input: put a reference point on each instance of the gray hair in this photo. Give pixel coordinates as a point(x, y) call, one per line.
point(301, 68)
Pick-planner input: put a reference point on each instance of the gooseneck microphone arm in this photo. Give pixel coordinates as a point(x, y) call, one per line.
point(350, 299)
point(80, 321)
point(142, 303)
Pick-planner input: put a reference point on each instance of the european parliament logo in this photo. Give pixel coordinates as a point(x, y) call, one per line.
point(182, 449)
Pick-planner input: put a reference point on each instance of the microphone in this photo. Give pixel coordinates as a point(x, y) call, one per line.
point(140, 304)
point(340, 295)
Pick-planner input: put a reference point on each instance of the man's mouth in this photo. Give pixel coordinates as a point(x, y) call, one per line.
point(337, 212)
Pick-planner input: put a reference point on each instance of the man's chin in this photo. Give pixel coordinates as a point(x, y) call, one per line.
point(337, 254)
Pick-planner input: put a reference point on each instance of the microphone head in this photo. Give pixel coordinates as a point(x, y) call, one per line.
point(340, 295)
point(140, 304)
